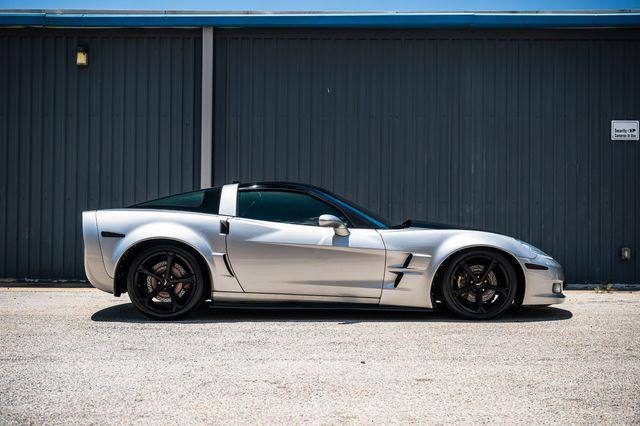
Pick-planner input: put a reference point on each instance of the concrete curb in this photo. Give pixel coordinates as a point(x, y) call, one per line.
point(620, 287)
point(85, 284)
point(44, 284)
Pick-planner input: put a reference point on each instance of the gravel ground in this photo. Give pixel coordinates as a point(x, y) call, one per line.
point(81, 356)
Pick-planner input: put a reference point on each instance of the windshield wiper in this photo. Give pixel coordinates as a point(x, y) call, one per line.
point(405, 224)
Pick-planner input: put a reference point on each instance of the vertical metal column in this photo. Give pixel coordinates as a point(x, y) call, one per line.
point(206, 142)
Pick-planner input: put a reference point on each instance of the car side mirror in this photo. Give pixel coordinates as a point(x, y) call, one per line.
point(330, 221)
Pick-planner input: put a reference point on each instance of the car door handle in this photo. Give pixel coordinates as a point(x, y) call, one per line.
point(224, 227)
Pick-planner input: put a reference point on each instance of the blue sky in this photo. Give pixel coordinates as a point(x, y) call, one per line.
point(323, 5)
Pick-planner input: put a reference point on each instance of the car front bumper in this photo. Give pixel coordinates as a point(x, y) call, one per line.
point(541, 274)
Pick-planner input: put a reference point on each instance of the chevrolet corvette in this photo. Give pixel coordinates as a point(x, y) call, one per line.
point(286, 243)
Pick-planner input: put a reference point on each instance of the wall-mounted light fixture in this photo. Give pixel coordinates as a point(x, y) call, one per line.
point(625, 253)
point(82, 56)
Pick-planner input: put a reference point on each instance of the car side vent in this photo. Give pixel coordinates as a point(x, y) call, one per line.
point(399, 275)
point(226, 263)
point(109, 234)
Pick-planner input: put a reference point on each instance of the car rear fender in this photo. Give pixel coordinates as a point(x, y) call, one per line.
point(122, 230)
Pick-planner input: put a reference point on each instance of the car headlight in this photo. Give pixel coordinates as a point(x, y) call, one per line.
point(535, 250)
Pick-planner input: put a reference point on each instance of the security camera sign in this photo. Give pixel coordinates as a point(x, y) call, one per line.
point(624, 130)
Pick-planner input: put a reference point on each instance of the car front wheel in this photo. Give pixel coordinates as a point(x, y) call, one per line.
point(479, 284)
point(165, 282)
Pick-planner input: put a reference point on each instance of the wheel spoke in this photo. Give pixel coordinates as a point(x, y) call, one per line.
point(153, 294)
point(145, 271)
point(479, 305)
point(464, 289)
point(167, 272)
point(175, 304)
point(187, 279)
point(469, 272)
point(487, 270)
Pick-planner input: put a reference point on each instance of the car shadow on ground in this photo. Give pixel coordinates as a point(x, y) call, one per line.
point(126, 312)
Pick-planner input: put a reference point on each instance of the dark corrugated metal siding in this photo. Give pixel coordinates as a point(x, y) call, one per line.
point(503, 130)
point(124, 129)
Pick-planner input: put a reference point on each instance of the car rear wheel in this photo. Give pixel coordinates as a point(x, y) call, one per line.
point(479, 284)
point(165, 282)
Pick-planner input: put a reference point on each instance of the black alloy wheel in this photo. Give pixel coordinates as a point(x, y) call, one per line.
point(479, 284)
point(165, 282)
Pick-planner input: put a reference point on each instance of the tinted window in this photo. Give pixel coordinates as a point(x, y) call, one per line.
point(203, 201)
point(284, 206)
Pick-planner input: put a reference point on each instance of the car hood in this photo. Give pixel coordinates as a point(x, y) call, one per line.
point(434, 239)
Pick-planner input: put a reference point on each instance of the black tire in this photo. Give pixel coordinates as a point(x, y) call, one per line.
point(163, 297)
point(479, 284)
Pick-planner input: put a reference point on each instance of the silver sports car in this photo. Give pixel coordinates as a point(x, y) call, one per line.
point(294, 243)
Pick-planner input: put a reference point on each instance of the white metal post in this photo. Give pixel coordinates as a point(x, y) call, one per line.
point(206, 140)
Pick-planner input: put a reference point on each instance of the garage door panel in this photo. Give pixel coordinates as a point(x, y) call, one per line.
point(121, 130)
point(501, 130)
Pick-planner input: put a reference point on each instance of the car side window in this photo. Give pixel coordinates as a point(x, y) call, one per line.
point(284, 206)
point(202, 201)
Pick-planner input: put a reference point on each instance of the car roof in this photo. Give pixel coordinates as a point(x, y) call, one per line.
point(275, 184)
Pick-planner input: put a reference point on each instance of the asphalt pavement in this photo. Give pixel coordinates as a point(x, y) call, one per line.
point(78, 355)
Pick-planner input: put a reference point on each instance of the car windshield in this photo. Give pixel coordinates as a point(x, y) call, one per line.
point(375, 219)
